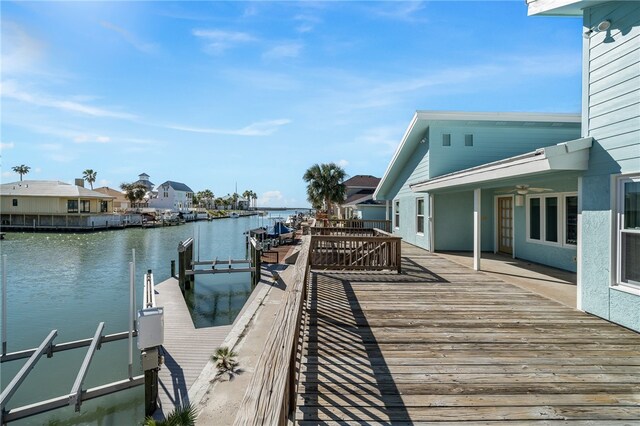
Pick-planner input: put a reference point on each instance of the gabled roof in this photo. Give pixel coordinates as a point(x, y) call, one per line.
point(362, 181)
point(110, 191)
point(421, 121)
point(48, 188)
point(177, 186)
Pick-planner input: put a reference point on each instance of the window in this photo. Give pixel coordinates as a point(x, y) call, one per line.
point(72, 206)
point(468, 140)
point(397, 213)
point(14, 203)
point(104, 206)
point(85, 206)
point(166, 193)
point(571, 220)
point(420, 215)
point(628, 253)
point(534, 218)
point(553, 219)
point(446, 139)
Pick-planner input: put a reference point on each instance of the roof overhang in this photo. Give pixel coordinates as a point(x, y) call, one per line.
point(571, 155)
point(559, 7)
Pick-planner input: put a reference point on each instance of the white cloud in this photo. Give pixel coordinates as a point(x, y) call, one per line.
point(7, 174)
point(20, 52)
point(307, 22)
point(399, 10)
point(382, 140)
point(9, 89)
point(260, 128)
point(271, 199)
point(217, 41)
point(130, 38)
point(285, 50)
point(50, 146)
point(103, 182)
point(7, 145)
point(83, 138)
point(342, 163)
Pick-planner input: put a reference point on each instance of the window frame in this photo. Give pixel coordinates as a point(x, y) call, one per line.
point(619, 230)
point(561, 217)
point(468, 139)
point(14, 202)
point(104, 206)
point(420, 216)
point(448, 141)
point(71, 209)
point(83, 206)
point(396, 214)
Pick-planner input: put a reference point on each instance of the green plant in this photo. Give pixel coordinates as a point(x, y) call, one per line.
point(225, 361)
point(184, 415)
point(21, 170)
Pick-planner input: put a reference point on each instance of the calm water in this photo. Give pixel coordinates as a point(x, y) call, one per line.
point(71, 282)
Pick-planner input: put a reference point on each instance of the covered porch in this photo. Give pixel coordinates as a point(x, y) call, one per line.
point(525, 207)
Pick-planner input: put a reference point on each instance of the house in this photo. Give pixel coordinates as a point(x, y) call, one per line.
point(172, 195)
point(462, 152)
point(556, 189)
point(53, 204)
point(359, 201)
point(609, 190)
point(143, 179)
point(120, 202)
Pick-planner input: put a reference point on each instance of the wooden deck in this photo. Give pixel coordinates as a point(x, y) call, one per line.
point(186, 348)
point(441, 343)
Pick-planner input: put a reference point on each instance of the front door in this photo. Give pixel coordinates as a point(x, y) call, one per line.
point(505, 225)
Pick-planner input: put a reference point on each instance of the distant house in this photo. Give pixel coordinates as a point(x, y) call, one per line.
point(608, 208)
point(359, 201)
point(172, 195)
point(143, 179)
point(52, 204)
point(120, 202)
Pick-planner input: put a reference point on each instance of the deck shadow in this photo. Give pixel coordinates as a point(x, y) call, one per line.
point(180, 392)
point(352, 391)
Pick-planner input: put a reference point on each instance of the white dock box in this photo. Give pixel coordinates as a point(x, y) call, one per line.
point(150, 327)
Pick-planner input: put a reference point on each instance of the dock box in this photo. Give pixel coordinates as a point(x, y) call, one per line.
point(150, 327)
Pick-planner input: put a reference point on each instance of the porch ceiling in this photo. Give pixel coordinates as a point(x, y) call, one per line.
point(558, 159)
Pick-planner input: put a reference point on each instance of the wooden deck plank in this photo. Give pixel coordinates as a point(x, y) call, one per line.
point(186, 349)
point(441, 343)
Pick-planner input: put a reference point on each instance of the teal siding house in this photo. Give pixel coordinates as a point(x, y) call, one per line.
point(557, 189)
point(609, 249)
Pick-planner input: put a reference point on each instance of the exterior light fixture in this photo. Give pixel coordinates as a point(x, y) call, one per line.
point(602, 26)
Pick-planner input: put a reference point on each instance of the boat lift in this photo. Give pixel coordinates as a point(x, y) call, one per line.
point(150, 334)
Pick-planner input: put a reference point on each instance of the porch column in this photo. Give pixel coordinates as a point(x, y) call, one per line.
point(476, 229)
point(386, 209)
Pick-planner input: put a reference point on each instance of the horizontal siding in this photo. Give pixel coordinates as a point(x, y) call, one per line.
point(611, 104)
point(615, 116)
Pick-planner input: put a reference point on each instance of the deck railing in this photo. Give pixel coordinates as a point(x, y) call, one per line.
point(381, 251)
point(271, 391)
point(342, 231)
point(384, 225)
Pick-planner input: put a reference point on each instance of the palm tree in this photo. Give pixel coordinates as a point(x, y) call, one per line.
point(255, 199)
point(325, 185)
point(225, 361)
point(184, 415)
point(207, 197)
point(90, 176)
point(234, 199)
point(247, 196)
point(21, 170)
point(134, 192)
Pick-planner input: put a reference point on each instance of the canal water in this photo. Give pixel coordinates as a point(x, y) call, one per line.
point(71, 282)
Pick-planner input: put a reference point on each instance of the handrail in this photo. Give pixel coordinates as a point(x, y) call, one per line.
point(271, 390)
point(361, 223)
point(336, 230)
point(355, 252)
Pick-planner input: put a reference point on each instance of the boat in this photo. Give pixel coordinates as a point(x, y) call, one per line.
point(234, 215)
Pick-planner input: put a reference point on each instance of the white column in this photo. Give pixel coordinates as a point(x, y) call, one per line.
point(386, 210)
point(476, 229)
point(432, 237)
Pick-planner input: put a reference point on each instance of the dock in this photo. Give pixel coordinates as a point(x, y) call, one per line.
point(442, 343)
point(186, 349)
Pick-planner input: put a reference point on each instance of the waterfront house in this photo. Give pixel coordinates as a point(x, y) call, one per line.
point(359, 201)
point(143, 179)
point(175, 196)
point(609, 189)
point(53, 204)
point(120, 202)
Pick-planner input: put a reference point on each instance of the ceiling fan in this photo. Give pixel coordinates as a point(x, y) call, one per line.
point(523, 190)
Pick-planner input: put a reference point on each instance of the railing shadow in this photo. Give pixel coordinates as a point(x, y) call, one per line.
point(346, 377)
point(180, 395)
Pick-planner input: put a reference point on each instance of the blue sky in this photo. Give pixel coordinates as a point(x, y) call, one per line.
point(214, 93)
